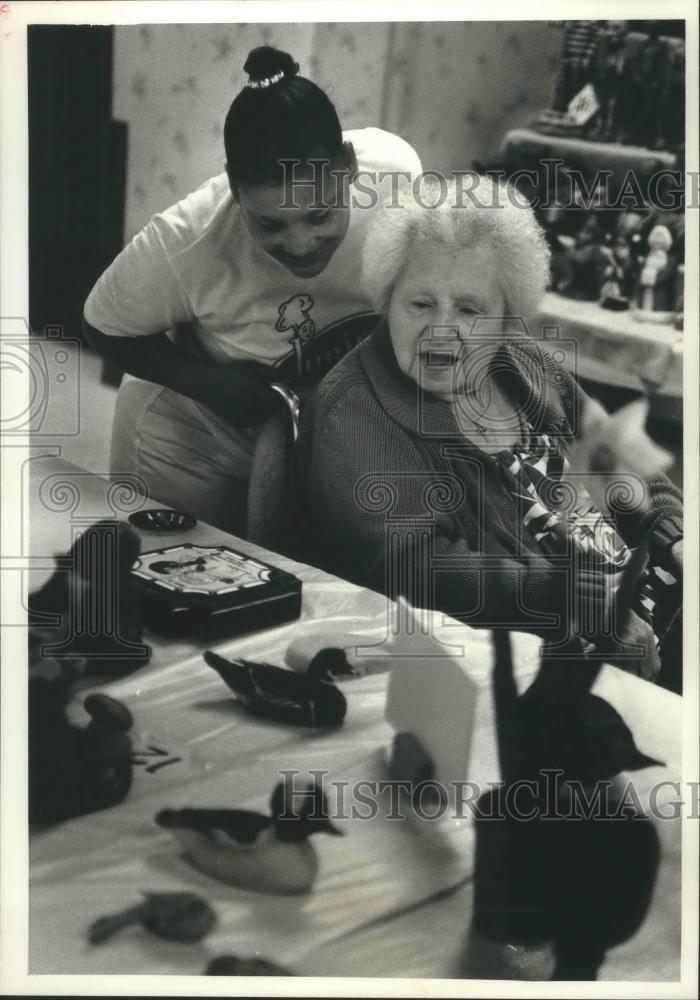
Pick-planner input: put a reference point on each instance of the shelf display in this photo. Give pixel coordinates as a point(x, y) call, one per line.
point(603, 67)
point(622, 260)
point(603, 169)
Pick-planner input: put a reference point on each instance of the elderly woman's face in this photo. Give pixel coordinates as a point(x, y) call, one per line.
point(434, 317)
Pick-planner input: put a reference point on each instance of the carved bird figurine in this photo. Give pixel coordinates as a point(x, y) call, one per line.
point(91, 596)
point(73, 769)
point(174, 916)
point(338, 655)
point(569, 861)
point(251, 850)
point(310, 699)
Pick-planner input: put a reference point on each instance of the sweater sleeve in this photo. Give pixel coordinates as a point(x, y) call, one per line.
point(482, 589)
point(370, 504)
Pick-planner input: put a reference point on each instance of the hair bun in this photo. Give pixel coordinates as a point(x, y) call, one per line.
point(265, 62)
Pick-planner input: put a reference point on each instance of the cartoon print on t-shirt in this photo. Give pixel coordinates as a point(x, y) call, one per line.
point(326, 346)
point(294, 316)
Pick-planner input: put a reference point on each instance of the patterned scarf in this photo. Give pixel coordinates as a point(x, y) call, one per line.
point(556, 515)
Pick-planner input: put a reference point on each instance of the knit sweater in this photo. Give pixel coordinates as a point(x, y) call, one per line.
point(401, 502)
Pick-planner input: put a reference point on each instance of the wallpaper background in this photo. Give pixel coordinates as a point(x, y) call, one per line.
point(452, 89)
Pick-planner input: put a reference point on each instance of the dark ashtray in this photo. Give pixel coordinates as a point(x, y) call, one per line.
point(162, 521)
point(616, 303)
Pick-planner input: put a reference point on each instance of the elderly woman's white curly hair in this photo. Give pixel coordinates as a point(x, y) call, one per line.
point(489, 214)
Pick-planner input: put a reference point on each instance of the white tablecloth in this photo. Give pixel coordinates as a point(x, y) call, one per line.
point(613, 347)
point(391, 899)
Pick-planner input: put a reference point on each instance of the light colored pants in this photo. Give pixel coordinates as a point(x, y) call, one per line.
point(188, 458)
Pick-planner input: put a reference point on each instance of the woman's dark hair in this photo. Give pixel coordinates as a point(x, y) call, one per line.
point(291, 118)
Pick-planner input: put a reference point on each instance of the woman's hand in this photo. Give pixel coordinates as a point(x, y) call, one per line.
point(645, 663)
point(237, 391)
point(619, 648)
point(240, 392)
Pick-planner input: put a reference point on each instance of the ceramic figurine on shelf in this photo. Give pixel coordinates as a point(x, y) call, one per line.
point(655, 274)
point(666, 288)
point(251, 850)
point(587, 263)
point(309, 699)
point(623, 258)
point(628, 231)
point(557, 224)
point(618, 285)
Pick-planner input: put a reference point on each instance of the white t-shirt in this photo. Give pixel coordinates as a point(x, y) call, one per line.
point(196, 263)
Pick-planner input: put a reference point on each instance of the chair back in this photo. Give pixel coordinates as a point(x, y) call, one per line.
point(276, 515)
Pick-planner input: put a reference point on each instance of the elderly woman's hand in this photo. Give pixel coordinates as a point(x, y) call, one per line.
point(240, 392)
point(646, 662)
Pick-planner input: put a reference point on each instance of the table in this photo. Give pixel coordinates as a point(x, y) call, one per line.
point(390, 901)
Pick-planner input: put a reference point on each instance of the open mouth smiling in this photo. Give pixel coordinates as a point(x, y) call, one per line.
point(311, 264)
point(439, 358)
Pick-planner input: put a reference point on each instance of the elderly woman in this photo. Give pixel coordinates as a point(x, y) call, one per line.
point(434, 452)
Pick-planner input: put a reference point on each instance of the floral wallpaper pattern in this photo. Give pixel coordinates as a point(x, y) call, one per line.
point(452, 89)
point(349, 62)
point(173, 85)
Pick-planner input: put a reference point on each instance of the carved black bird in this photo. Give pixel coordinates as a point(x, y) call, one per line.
point(73, 769)
point(567, 861)
point(89, 604)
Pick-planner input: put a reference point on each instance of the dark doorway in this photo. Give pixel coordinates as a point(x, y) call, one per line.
point(77, 168)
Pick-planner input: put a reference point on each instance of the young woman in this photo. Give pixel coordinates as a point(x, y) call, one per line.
point(252, 280)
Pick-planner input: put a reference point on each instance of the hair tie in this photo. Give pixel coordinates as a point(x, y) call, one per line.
point(266, 82)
